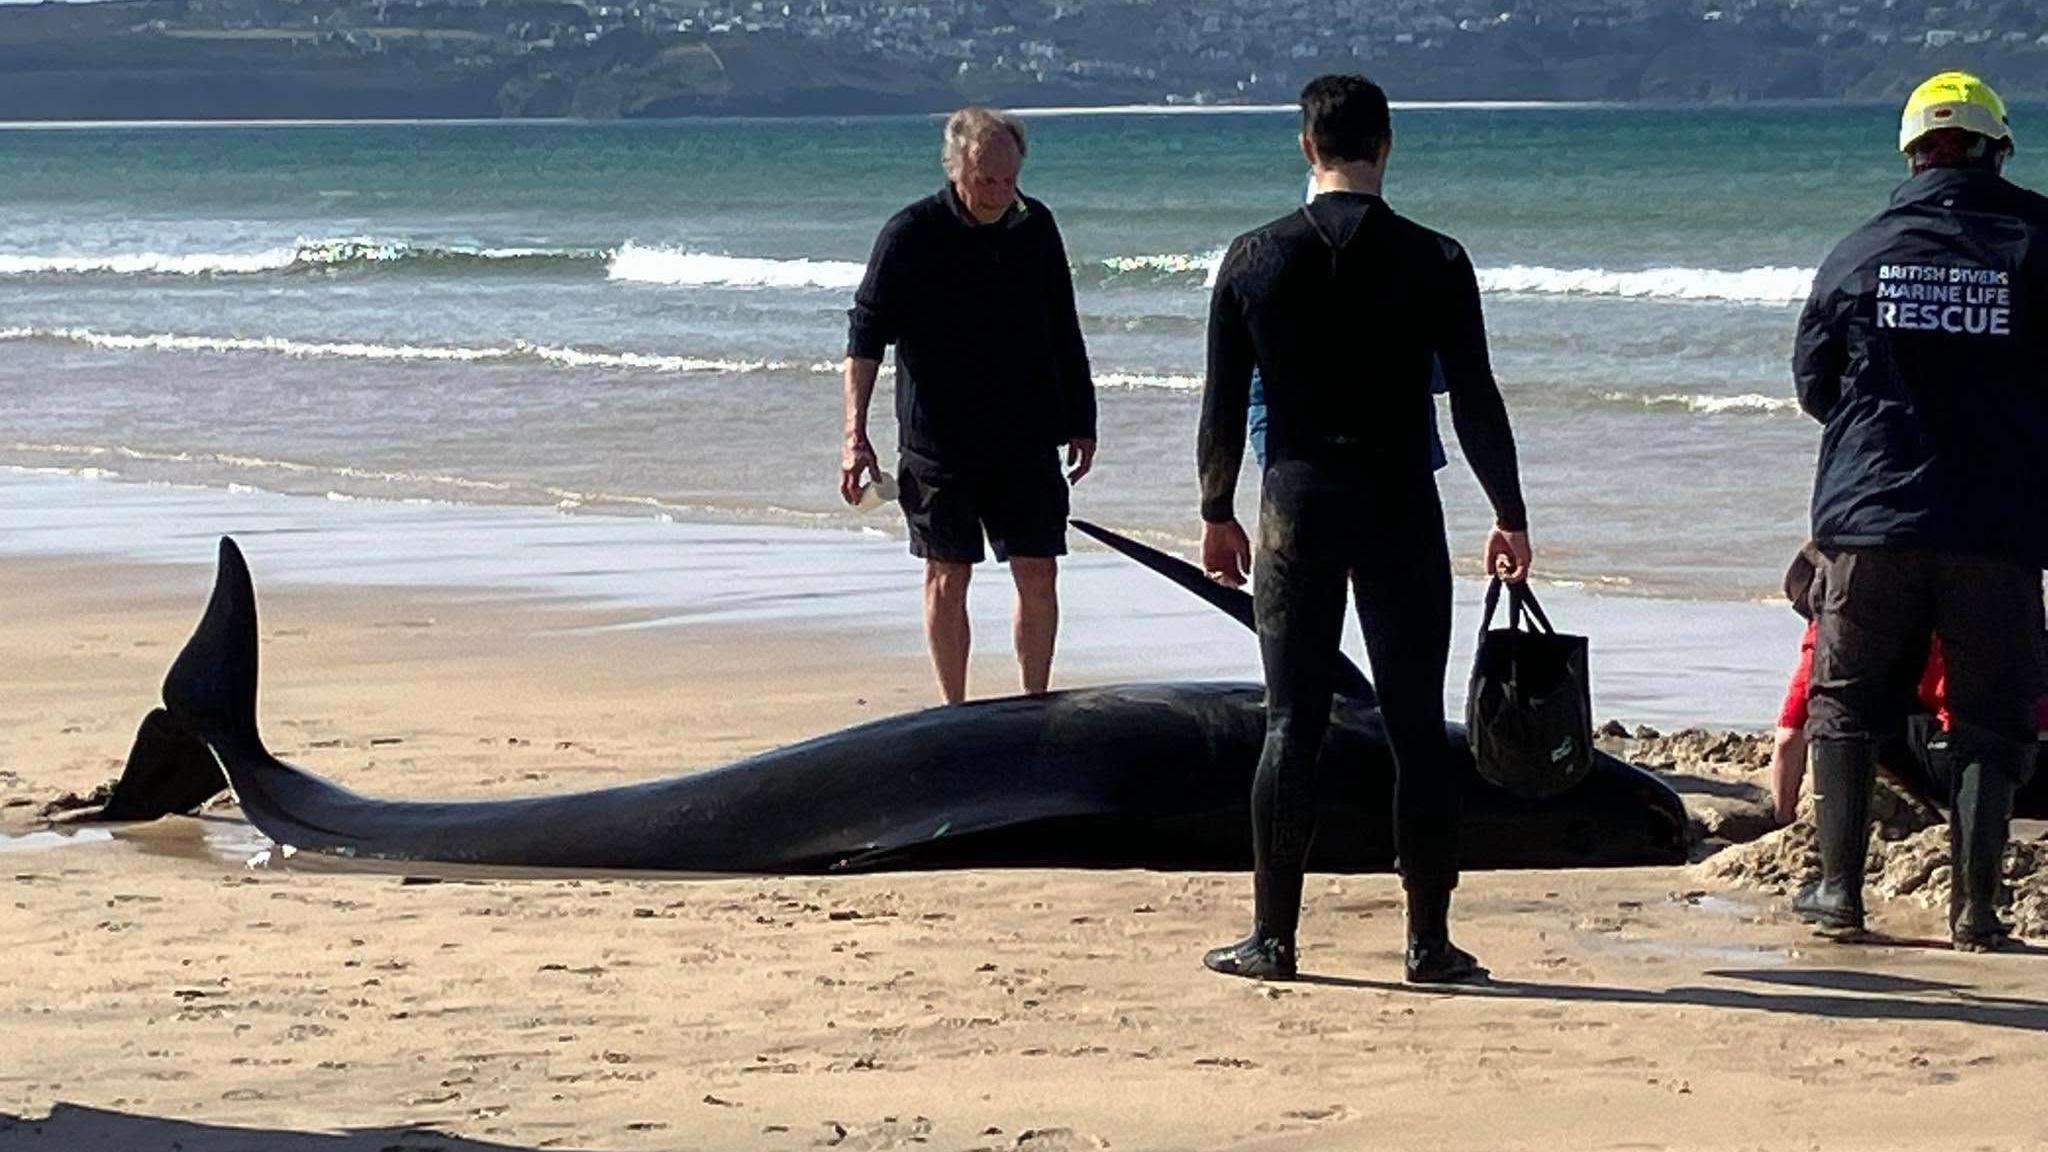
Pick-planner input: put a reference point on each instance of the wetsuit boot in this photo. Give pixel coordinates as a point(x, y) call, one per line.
point(1987, 770)
point(1259, 956)
point(1432, 958)
point(1844, 772)
point(1268, 953)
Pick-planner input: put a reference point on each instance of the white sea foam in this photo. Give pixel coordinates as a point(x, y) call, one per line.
point(1765, 285)
point(1746, 403)
point(1168, 264)
point(647, 264)
point(1136, 380)
point(304, 255)
point(150, 263)
point(656, 264)
point(1761, 285)
point(352, 350)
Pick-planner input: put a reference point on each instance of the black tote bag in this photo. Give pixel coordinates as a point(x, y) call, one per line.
point(1529, 706)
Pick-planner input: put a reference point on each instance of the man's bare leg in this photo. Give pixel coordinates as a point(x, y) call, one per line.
point(1038, 618)
point(945, 624)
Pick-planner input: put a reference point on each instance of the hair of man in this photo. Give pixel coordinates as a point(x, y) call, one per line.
point(971, 128)
point(1346, 118)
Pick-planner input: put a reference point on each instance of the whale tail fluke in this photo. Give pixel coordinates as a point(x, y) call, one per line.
point(209, 703)
point(169, 772)
point(211, 686)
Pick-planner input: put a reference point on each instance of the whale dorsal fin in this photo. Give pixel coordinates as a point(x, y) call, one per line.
point(1236, 603)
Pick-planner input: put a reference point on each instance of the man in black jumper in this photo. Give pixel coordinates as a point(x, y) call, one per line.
point(1343, 306)
point(1923, 351)
point(972, 286)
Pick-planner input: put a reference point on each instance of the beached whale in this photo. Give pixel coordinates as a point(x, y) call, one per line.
point(1125, 776)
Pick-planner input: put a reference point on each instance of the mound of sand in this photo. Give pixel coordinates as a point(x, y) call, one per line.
point(1908, 860)
point(1909, 857)
point(1724, 778)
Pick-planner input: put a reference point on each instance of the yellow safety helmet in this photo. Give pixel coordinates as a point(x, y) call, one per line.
point(1953, 100)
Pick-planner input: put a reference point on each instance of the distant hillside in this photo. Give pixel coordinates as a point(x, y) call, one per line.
point(205, 59)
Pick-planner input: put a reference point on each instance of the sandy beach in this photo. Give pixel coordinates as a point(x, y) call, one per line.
point(162, 993)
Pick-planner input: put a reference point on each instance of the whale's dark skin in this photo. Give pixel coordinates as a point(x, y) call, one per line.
point(1125, 776)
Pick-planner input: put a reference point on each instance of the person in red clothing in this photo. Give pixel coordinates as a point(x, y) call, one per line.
point(1788, 744)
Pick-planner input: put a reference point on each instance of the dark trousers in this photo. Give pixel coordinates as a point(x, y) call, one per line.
point(1314, 528)
point(1878, 607)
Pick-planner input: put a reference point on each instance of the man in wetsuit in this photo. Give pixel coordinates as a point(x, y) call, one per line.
point(972, 286)
point(1924, 351)
point(1341, 306)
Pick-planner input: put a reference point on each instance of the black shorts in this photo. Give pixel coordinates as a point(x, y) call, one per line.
point(1021, 503)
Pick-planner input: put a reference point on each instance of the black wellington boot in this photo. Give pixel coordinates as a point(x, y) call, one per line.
point(1987, 774)
point(1259, 956)
point(1432, 958)
point(1844, 772)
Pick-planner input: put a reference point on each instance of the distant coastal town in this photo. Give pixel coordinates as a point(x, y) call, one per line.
point(156, 59)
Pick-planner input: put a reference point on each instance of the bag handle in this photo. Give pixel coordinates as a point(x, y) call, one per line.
point(1492, 602)
point(1520, 600)
point(1523, 598)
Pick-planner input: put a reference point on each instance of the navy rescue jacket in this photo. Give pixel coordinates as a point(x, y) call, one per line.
point(1923, 350)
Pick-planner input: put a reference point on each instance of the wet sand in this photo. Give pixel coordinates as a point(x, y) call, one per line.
point(161, 993)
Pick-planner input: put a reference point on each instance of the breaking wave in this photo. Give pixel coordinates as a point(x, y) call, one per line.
point(637, 263)
point(1763, 285)
point(1767, 285)
point(332, 255)
point(1748, 403)
point(656, 265)
point(349, 350)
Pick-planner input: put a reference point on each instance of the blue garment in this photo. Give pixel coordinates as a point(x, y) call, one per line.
point(1436, 439)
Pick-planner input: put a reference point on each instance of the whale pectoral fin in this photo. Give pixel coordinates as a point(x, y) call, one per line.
point(1235, 603)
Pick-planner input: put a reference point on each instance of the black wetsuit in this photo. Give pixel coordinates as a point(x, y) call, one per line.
point(1342, 306)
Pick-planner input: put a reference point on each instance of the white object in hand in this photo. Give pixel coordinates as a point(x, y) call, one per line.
point(877, 492)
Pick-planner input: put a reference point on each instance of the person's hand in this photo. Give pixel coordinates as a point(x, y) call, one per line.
point(1226, 553)
point(1080, 458)
point(857, 457)
point(1507, 554)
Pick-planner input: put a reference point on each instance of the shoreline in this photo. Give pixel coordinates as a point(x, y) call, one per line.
point(1041, 111)
point(1666, 663)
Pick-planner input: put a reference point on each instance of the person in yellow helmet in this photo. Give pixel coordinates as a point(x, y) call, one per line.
point(1954, 117)
point(1923, 351)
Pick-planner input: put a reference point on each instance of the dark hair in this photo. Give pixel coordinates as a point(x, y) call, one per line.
point(1345, 117)
point(1957, 148)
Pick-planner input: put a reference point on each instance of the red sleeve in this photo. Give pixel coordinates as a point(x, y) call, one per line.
point(1792, 714)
